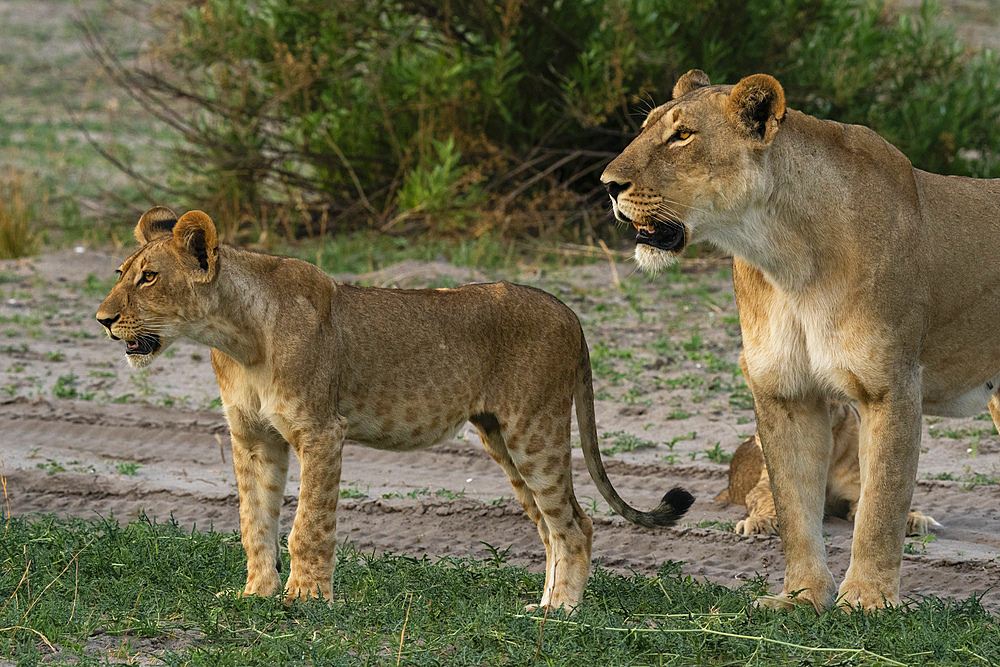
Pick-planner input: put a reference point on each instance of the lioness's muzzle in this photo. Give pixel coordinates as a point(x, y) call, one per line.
point(669, 236)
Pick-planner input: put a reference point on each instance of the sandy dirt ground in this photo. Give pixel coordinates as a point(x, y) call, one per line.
point(82, 435)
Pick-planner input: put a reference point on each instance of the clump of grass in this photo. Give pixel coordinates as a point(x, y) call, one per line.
point(622, 441)
point(64, 581)
point(18, 237)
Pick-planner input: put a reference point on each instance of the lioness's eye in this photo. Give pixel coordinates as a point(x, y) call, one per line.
point(681, 135)
point(148, 276)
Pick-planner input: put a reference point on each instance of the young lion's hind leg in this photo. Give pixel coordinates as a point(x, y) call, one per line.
point(537, 461)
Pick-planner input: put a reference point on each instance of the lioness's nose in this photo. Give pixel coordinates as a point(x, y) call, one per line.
point(108, 321)
point(615, 188)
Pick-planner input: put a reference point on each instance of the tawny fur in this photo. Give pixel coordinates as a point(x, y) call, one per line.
point(856, 275)
point(750, 485)
point(304, 363)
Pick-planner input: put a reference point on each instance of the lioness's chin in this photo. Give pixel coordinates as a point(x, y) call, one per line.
point(141, 352)
point(652, 260)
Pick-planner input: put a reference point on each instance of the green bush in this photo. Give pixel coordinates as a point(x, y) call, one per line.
point(462, 115)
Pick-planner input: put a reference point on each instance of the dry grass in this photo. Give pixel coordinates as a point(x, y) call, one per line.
point(18, 237)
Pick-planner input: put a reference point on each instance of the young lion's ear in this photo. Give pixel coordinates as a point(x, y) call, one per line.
point(757, 106)
point(195, 233)
point(692, 79)
point(157, 221)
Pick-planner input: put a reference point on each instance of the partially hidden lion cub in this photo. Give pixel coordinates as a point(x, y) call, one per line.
point(750, 485)
point(857, 277)
point(304, 363)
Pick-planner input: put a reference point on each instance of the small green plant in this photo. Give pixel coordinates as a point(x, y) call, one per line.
point(622, 441)
point(127, 468)
point(717, 455)
point(54, 356)
point(418, 493)
point(922, 542)
point(715, 524)
point(352, 492)
point(450, 495)
point(51, 467)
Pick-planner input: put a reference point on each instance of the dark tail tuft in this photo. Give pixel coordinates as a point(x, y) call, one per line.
point(673, 506)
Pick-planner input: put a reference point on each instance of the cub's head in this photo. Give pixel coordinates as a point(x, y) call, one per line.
point(160, 293)
point(689, 172)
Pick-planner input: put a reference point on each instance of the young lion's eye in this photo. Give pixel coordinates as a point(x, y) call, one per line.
point(683, 134)
point(148, 277)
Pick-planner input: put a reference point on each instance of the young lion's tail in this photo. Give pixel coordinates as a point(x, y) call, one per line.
point(674, 504)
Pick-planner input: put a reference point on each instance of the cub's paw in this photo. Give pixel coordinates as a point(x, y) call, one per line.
point(919, 524)
point(758, 525)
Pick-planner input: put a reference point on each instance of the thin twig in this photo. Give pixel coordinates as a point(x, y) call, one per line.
point(40, 595)
point(21, 627)
point(611, 260)
point(3, 480)
point(822, 649)
point(402, 635)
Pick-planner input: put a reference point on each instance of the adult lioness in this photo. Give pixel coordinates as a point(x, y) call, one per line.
point(750, 485)
point(303, 361)
point(855, 275)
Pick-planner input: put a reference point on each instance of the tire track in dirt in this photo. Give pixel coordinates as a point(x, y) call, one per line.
point(450, 500)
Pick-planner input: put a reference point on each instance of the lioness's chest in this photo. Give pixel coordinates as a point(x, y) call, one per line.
point(806, 345)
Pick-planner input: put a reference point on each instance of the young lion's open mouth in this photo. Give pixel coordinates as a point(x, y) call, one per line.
point(669, 236)
point(143, 344)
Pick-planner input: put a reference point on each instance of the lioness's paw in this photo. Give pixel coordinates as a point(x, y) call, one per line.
point(820, 600)
point(866, 595)
point(919, 524)
point(758, 525)
point(294, 591)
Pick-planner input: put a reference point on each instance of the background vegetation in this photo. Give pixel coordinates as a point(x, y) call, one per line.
point(93, 592)
point(458, 116)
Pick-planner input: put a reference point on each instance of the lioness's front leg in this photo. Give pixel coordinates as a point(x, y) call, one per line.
point(313, 540)
point(797, 441)
point(890, 432)
point(260, 458)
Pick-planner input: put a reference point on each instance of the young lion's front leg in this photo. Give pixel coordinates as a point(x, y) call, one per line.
point(260, 458)
point(313, 540)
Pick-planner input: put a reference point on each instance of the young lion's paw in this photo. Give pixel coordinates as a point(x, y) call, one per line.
point(919, 524)
point(758, 525)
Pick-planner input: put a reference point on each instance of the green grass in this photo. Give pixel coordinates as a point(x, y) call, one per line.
point(75, 584)
point(622, 441)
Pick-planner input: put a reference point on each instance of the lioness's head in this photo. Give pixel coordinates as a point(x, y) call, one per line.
point(158, 294)
point(688, 173)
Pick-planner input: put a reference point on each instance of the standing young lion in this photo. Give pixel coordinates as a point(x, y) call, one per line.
point(306, 362)
point(856, 275)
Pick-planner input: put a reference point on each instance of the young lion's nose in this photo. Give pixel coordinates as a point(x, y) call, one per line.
point(615, 188)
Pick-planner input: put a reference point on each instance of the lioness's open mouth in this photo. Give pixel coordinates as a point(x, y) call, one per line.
point(668, 236)
point(144, 344)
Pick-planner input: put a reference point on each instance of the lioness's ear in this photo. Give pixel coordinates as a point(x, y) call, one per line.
point(694, 78)
point(757, 106)
point(195, 233)
point(157, 221)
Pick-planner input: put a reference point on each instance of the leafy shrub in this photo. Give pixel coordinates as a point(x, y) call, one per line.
point(437, 114)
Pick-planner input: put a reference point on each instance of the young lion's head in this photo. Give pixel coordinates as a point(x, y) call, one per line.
point(159, 293)
point(692, 167)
